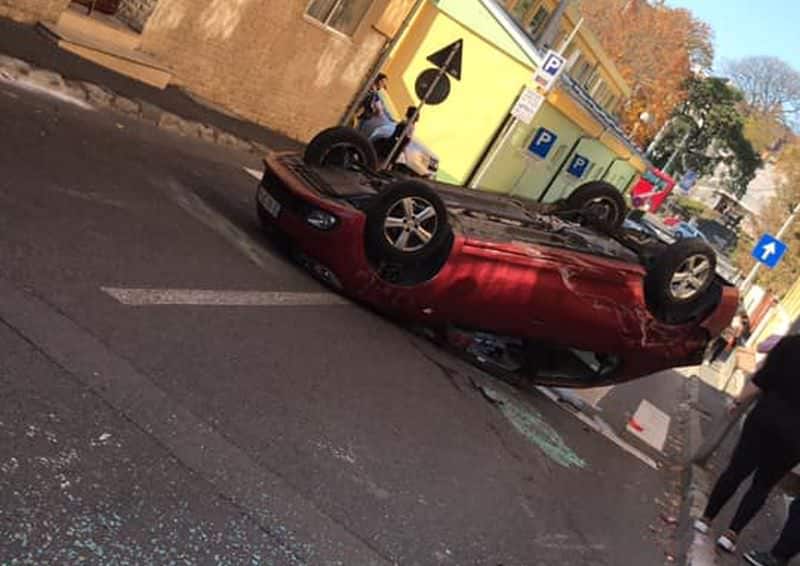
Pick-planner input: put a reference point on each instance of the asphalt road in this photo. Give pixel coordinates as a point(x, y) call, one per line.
point(277, 434)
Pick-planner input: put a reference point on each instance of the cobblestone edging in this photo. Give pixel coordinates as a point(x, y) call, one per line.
point(16, 70)
point(696, 483)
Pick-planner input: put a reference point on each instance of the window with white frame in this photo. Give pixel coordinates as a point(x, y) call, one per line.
point(343, 16)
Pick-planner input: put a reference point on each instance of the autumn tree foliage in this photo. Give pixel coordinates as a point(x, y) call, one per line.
point(778, 280)
point(656, 48)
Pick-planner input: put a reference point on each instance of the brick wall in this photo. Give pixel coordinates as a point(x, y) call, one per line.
point(265, 60)
point(136, 12)
point(32, 10)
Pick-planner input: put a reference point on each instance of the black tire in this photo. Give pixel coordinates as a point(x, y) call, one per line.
point(423, 239)
point(340, 147)
point(680, 300)
point(600, 202)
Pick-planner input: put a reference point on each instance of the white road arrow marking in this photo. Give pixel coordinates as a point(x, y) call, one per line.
point(769, 250)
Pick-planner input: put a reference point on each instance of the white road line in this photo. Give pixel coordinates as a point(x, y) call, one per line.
point(209, 298)
point(255, 173)
point(22, 84)
point(197, 207)
point(601, 428)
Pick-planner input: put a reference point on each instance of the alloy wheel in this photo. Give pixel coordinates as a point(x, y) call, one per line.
point(410, 224)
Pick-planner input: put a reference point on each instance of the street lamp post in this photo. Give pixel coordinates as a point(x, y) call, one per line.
point(644, 118)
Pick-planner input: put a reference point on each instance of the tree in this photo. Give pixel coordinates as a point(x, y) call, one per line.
point(766, 131)
point(706, 131)
point(654, 47)
point(778, 280)
point(770, 86)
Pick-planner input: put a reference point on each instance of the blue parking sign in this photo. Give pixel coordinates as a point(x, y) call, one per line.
point(542, 142)
point(769, 250)
point(577, 167)
point(553, 63)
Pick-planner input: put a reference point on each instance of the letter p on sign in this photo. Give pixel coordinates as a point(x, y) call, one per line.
point(547, 74)
point(553, 64)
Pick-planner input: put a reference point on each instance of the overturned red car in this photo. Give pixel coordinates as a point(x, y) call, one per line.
point(560, 294)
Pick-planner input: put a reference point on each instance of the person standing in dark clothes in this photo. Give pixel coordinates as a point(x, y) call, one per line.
point(388, 148)
point(788, 545)
point(769, 445)
point(372, 106)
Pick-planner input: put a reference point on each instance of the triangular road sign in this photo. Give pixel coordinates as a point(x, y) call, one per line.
point(440, 58)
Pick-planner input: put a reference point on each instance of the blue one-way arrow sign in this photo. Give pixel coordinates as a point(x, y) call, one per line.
point(769, 251)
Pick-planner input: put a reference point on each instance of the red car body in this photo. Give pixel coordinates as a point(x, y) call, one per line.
point(652, 189)
point(513, 288)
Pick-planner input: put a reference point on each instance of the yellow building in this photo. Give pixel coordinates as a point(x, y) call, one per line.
point(472, 133)
point(780, 318)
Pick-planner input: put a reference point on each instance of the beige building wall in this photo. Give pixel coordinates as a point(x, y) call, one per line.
point(267, 61)
point(32, 10)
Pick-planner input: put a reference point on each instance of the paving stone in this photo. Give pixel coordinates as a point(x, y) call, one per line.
point(126, 105)
point(171, 122)
point(47, 79)
point(97, 95)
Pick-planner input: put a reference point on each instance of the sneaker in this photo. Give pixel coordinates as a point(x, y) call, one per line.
point(727, 542)
point(701, 526)
point(757, 558)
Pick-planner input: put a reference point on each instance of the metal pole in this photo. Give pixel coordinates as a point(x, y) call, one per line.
point(410, 124)
point(659, 136)
point(751, 277)
point(376, 68)
point(679, 149)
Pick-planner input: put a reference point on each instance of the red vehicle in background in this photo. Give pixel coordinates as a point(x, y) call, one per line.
point(651, 190)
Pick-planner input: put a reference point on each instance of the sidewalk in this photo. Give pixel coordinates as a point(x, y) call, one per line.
point(709, 405)
point(24, 42)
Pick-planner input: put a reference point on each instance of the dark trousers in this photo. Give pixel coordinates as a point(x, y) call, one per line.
point(788, 546)
point(763, 452)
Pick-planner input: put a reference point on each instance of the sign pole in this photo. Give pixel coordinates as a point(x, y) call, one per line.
point(751, 277)
point(442, 71)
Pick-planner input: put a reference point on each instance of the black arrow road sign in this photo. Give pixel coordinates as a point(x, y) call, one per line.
point(440, 59)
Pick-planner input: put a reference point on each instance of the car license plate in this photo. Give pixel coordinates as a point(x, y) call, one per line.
point(269, 203)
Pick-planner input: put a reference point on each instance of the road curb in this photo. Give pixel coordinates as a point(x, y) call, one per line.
point(14, 70)
point(695, 485)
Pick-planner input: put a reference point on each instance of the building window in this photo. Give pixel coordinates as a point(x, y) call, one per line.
point(581, 69)
point(343, 16)
point(521, 8)
point(538, 21)
point(611, 104)
point(592, 80)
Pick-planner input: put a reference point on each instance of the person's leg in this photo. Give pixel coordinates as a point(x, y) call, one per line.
point(743, 463)
point(716, 350)
point(788, 545)
point(777, 460)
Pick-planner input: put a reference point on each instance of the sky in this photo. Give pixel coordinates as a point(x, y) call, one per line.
point(750, 27)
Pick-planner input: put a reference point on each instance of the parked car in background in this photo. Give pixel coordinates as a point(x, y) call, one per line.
point(687, 230)
point(671, 232)
point(416, 158)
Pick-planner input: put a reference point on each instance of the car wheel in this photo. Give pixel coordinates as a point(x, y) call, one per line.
point(601, 202)
point(407, 222)
point(680, 277)
point(340, 147)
